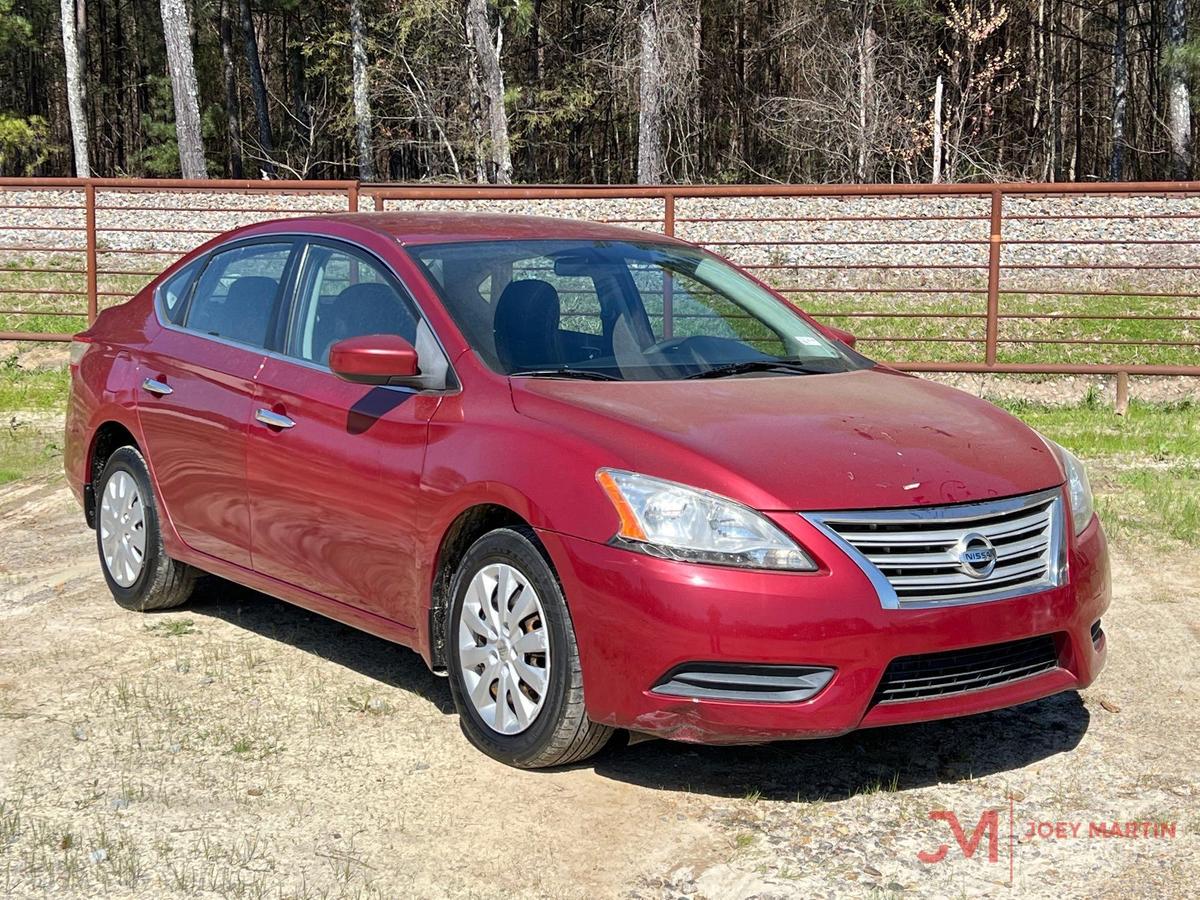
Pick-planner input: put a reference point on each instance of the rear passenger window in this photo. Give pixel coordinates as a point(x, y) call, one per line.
point(237, 295)
point(173, 292)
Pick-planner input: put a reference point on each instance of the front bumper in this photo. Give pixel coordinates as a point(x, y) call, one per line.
point(637, 617)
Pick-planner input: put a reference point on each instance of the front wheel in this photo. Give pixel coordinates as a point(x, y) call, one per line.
point(514, 664)
point(139, 573)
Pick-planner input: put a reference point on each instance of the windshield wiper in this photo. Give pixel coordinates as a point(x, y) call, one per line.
point(582, 374)
point(761, 365)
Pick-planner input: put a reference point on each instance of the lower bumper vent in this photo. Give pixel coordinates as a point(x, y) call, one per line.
point(959, 671)
point(726, 681)
point(1097, 633)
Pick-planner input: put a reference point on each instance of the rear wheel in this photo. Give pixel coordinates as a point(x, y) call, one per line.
point(513, 661)
point(139, 573)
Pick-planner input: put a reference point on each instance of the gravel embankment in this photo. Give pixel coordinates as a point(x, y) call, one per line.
point(915, 237)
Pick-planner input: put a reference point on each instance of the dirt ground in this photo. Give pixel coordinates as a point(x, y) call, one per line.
point(243, 748)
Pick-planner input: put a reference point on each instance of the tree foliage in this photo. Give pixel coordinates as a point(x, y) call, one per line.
point(749, 90)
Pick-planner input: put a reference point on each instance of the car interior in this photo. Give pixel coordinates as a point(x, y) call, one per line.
point(572, 311)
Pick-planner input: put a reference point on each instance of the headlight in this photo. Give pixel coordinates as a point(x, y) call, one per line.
point(1083, 507)
point(676, 522)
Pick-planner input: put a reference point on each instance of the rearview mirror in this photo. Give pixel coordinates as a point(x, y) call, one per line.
point(375, 359)
point(839, 335)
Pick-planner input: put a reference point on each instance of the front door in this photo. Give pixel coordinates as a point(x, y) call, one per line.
point(196, 383)
point(323, 517)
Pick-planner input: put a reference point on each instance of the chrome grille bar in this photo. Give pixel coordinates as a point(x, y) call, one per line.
point(914, 556)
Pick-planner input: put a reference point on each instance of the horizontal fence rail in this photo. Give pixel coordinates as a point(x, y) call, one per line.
point(1014, 278)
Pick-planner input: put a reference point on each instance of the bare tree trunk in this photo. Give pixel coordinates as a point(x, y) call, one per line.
point(1116, 163)
point(475, 114)
point(301, 108)
point(232, 110)
point(866, 92)
point(539, 44)
point(81, 41)
point(1077, 152)
point(651, 166)
point(937, 131)
point(362, 98)
point(178, 33)
point(1179, 101)
point(76, 97)
point(487, 46)
point(695, 99)
point(257, 87)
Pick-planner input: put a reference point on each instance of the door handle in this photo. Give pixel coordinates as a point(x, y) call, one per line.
point(158, 388)
point(273, 419)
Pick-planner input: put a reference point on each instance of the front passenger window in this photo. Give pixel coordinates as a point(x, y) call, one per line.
point(238, 293)
point(342, 295)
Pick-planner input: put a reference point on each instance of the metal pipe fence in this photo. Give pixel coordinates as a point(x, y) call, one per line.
point(1015, 278)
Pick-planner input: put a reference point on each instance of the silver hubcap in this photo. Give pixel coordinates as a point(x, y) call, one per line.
point(504, 649)
point(122, 529)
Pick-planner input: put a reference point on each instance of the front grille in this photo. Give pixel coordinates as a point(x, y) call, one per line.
point(929, 555)
point(959, 671)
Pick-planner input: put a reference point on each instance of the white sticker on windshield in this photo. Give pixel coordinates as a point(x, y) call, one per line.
point(808, 340)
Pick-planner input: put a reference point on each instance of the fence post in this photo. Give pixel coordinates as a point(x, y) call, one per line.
point(89, 194)
point(378, 201)
point(993, 286)
point(1122, 405)
point(352, 197)
point(668, 279)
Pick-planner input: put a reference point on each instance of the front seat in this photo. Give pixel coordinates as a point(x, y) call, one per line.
point(526, 326)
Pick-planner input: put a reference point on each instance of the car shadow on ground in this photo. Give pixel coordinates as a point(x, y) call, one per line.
point(377, 659)
point(899, 758)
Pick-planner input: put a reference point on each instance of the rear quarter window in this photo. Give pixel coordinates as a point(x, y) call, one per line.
point(171, 295)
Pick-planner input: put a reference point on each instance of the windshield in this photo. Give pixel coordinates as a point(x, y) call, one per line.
point(615, 310)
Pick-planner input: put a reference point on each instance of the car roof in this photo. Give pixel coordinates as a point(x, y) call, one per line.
point(445, 227)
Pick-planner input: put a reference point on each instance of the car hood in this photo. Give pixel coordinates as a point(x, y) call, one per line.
point(867, 439)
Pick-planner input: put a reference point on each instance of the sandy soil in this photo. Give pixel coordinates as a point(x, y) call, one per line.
point(241, 747)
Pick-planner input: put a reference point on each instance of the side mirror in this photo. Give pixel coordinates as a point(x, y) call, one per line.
point(375, 359)
point(839, 335)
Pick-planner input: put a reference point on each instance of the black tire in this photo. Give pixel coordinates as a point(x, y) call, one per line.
point(162, 582)
point(562, 733)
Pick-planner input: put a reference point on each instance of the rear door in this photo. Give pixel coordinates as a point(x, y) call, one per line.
point(196, 385)
point(334, 467)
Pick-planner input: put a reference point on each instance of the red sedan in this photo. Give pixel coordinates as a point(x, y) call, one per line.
point(601, 479)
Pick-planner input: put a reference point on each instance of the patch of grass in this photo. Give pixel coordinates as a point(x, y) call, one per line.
point(243, 745)
point(30, 419)
point(1165, 502)
point(1158, 432)
point(27, 450)
point(54, 302)
point(962, 318)
point(1144, 466)
point(172, 627)
point(25, 389)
